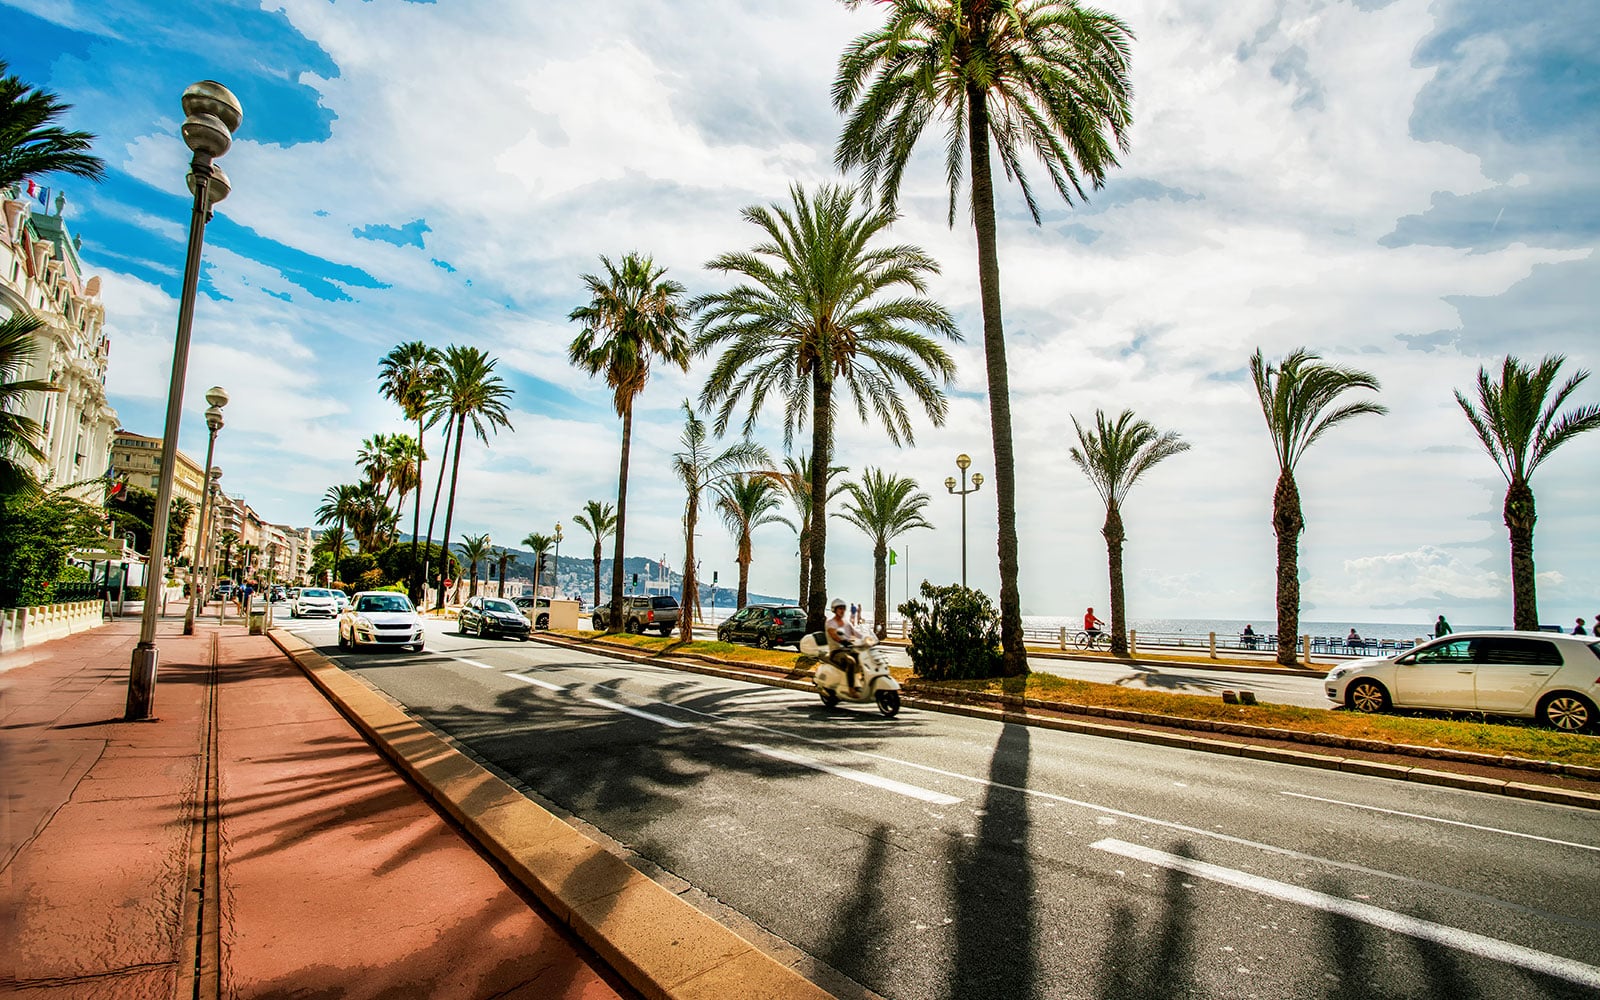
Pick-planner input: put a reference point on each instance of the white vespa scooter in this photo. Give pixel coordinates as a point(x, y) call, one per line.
point(834, 685)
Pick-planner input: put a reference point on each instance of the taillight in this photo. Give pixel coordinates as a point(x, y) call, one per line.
point(649, 616)
point(777, 621)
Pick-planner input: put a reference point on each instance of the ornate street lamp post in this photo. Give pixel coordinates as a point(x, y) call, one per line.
point(962, 461)
point(555, 575)
point(218, 398)
point(213, 115)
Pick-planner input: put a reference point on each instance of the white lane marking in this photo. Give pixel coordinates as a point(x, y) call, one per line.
point(674, 723)
point(1451, 937)
point(1450, 822)
point(536, 682)
point(473, 663)
point(887, 784)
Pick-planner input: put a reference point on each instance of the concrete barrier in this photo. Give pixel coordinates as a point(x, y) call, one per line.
point(21, 627)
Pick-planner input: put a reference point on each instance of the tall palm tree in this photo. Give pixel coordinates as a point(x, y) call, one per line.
point(225, 542)
point(697, 469)
point(1048, 77)
point(635, 314)
point(599, 520)
point(404, 468)
point(505, 558)
point(469, 390)
point(1295, 398)
point(408, 376)
point(475, 549)
point(795, 479)
point(373, 457)
point(369, 518)
point(824, 306)
point(1520, 426)
point(884, 506)
point(30, 140)
point(19, 434)
point(1113, 455)
point(539, 545)
point(339, 505)
point(746, 502)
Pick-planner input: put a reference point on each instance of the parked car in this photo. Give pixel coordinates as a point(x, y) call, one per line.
point(223, 591)
point(765, 625)
point(536, 608)
point(380, 618)
point(314, 602)
point(492, 616)
point(641, 613)
point(1534, 675)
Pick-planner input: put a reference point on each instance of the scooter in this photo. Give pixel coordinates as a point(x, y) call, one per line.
point(833, 684)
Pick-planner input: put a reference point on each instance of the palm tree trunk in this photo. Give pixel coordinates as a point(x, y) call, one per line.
point(427, 552)
point(415, 577)
point(880, 588)
point(1288, 522)
point(450, 509)
point(1520, 516)
point(596, 571)
point(691, 589)
point(1015, 661)
point(821, 448)
point(614, 619)
point(805, 559)
point(745, 555)
point(1115, 535)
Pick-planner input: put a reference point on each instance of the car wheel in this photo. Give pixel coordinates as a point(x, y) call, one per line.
point(1367, 696)
point(764, 640)
point(342, 644)
point(889, 703)
point(829, 699)
point(1567, 712)
point(635, 627)
point(543, 621)
point(666, 630)
point(597, 622)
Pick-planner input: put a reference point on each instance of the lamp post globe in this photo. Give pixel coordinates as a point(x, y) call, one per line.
point(211, 115)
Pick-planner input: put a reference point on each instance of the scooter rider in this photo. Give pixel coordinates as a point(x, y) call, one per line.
point(842, 634)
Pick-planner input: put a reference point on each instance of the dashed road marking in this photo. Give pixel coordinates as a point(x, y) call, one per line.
point(641, 713)
point(1448, 822)
point(536, 682)
point(887, 784)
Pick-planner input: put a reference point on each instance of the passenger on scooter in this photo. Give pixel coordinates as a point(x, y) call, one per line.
point(842, 635)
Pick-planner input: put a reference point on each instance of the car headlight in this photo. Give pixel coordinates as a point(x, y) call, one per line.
point(1338, 672)
point(365, 624)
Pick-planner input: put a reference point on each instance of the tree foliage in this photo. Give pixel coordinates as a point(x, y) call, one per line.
point(954, 633)
point(38, 531)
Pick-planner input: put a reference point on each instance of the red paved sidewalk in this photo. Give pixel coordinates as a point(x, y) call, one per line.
point(336, 878)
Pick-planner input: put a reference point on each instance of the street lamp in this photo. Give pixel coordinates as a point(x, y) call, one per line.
point(218, 398)
point(210, 578)
point(962, 461)
point(555, 576)
point(212, 116)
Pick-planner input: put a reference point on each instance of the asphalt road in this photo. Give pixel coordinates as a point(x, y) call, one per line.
point(935, 856)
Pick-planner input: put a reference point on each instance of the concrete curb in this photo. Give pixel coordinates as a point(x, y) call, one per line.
point(664, 947)
point(992, 707)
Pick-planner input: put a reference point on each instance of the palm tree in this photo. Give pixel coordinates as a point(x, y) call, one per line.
point(505, 557)
point(795, 479)
point(404, 461)
point(599, 520)
point(407, 376)
point(1114, 455)
point(1520, 429)
point(697, 469)
point(538, 544)
point(468, 390)
point(30, 141)
point(226, 541)
point(746, 502)
point(339, 505)
point(820, 309)
point(475, 549)
point(369, 518)
point(1043, 76)
point(634, 314)
point(19, 434)
point(1293, 396)
point(373, 458)
point(884, 506)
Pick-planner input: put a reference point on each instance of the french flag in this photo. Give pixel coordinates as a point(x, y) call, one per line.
point(39, 193)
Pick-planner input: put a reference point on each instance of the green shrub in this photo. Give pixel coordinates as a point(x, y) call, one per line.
point(954, 633)
point(354, 567)
point(395, 561)
point(133, 592)
point(398, 588)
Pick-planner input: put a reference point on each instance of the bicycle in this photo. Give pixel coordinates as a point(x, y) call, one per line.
point(1099, 640)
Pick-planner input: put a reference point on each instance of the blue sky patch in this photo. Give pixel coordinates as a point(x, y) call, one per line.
point(408, 235)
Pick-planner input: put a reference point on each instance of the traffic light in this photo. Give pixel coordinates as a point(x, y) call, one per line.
point(713, 578)
point(636, 579)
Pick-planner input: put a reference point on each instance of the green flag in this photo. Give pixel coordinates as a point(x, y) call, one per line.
point(892, 560)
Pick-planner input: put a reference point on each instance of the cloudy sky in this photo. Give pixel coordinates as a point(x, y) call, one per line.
point(1406, 186)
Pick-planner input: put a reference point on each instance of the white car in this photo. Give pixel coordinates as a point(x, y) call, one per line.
point(380, 618)
point(1533, 675)
point(314, 601)
point(341, 600)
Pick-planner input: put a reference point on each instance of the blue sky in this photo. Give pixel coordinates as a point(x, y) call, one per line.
point(1407, 187)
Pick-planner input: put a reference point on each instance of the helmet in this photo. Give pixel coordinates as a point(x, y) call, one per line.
point(838, 602)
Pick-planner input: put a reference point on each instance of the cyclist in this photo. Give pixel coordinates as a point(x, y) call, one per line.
point(1091, 625)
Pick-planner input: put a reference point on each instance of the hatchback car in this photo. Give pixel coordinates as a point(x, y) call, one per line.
point(487, 616)
point(536, 608)
point(380, 618)
point(765, 625)
point(314, 602)
point(341, 600)
point(1531, 675)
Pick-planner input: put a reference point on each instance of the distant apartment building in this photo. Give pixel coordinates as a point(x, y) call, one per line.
point(42, 275)
point(138, 458)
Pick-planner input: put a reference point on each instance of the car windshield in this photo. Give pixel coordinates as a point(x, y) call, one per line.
point(496, 604)
point(315, 592)
point(339, 593)
point(384, 602)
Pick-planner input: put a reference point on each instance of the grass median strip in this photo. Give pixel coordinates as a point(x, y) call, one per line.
point(1507, 739)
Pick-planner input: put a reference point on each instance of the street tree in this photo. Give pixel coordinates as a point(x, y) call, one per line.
point(635, 315)
point(884, 507)
point(795, 479)
point(1046, 77)
point(1113, 456)
point(469, 392)
point(747, 502)
point(31, 141)
point(20, 435)
point(504, 558)
point(824, 305)
point(339, 504)
point(539, 544)
point(475, 549)
point(599, 520)
point(1520, 425)
point(1297, 398)
point(698, 469)
point(408, 376)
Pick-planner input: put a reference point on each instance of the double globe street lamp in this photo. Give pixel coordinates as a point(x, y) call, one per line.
point(212, 115)
point(962, 462)
point(218, 398)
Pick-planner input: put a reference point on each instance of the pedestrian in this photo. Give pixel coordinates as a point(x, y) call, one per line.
point(1596, 620)
point(1578, 629)
point(1441, 628)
